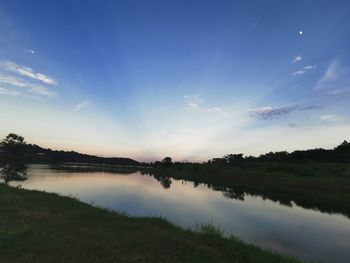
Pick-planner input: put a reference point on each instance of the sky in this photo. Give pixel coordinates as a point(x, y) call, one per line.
point(188, 79)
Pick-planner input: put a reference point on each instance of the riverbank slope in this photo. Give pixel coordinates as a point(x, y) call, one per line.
point(42, 227)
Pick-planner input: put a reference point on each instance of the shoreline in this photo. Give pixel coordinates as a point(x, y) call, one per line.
point(47, 227)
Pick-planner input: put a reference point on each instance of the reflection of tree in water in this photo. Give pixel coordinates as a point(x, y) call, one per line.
point(82, 168)
point(165, 181)
point(237, 193)
point(282, 201)
point(229, 192)
point(232, 194)
point(240, 191)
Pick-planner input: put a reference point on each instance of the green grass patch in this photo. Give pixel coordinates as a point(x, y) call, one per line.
point(209, 229)
point(42, 227)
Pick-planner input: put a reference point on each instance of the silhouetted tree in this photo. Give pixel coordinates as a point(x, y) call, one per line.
point(167, 161)
point(233, 158)
point(13, 158)
point(157, 164)
point(218, 161)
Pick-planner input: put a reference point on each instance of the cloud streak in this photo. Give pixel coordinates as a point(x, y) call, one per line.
point(13, 81)
point(195, 102)
point(218, 110)
point(303, 70)
point(27, 72)
point(309, 67)
point(42, 91)
point(8, 92)
point(297, 59)
point(31, 88)
point(299, 72)
point(269, 113)
point(331, 74)
point(330, 118)
point(81, 105)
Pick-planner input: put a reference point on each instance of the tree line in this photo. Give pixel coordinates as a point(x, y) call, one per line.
point(341, 153)
point(15, 154)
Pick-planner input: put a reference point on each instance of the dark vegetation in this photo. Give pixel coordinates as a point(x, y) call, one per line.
point(37, 154)
point(339, 154)
point(315, 179)
point(41, 227)
point(81, 168)
point(320, 186)
point(13, 159)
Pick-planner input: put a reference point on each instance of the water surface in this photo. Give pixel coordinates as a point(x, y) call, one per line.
point(305, 233)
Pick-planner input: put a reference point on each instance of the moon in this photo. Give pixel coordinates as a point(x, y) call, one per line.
point(300, 32)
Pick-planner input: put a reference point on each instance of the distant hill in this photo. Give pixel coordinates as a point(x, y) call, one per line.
point(37, 154)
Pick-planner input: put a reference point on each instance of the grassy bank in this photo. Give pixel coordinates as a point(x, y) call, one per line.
point(41, 227)
point(322, 186)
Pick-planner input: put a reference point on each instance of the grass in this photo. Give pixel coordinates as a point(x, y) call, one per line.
point(321, 186)
point(42, 227)
point(209, 229)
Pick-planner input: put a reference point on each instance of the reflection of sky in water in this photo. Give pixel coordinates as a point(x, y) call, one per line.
point(294, 230)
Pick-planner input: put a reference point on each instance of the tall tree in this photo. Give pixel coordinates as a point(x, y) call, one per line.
point(167, 161)
point(13, 158)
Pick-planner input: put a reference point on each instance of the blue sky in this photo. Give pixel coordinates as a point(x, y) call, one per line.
point(189, 79)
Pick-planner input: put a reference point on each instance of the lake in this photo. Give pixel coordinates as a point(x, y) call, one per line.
point(305, 233)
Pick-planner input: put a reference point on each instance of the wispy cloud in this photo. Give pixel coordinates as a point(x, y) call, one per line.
point(217, 110)
point(330, 118)
point(30, 87)
point(8, 92)
point(297, 59)
point(195, 102)
point(32, 51)
point(14, 81)
point(299, 72)
point(303, 70)
point(81, 105)
point(308, 67)
point(310, 107)
point(42, 91)
point(269, 113)
point(332, 74)
point(27, 72)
